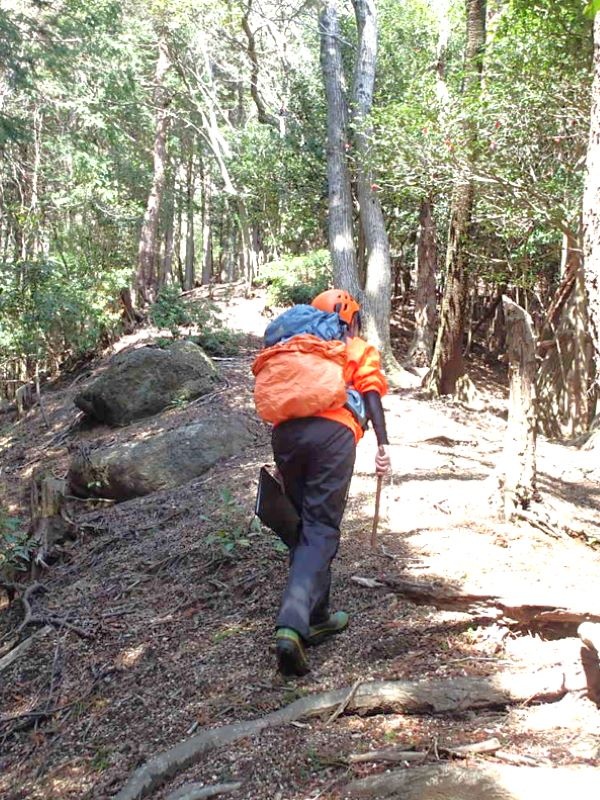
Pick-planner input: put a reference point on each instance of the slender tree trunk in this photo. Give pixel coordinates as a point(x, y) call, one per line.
point(207, 237)
point(520, 443)
point(423, 341)
point(377, 291)
point(34, 204)
point(166, 272)
point(565, 406)
point(190, 250)
point(591, 209)
point(146, 278)
point(448, 363)
point(341, 239)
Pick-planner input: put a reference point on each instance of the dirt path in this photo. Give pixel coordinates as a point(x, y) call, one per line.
point(177, 593)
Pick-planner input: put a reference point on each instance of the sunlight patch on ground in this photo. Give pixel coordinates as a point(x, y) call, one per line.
point(131, 656)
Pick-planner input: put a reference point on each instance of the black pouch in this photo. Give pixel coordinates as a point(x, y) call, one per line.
point(275, 509)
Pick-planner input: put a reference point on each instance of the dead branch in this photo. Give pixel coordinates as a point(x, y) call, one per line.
point(45, 619)
point(344, 704)
point(22, 648)
point(396, 755)
point(521, 610)
point(452, 695)
point(492, 781)
point(29, 718)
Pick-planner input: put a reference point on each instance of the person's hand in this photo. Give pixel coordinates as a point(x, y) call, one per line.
point(383, 462)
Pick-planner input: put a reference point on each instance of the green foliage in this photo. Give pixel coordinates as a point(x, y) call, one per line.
point(592, 8)
point(233, 531)
point(15, 547)
point(173, 312)
point(170, 311)
point(220, 342)
point(53, 309)
point(297, 279)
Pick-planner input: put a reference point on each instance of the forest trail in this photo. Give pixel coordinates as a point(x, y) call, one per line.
point(167, 605)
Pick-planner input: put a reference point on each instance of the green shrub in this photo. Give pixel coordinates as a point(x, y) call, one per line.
point(297, 279)
point(172, 311)
point(15, 547)
point(54, 309)
point(220, 342)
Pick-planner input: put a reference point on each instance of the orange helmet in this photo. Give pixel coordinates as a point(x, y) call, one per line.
point(338, 301)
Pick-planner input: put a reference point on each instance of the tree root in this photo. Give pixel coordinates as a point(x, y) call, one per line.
point(492, 781)
point(453, 695)
point(45, 619)
point(522, 610)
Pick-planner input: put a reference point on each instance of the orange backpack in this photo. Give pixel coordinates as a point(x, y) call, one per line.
point(300, 377)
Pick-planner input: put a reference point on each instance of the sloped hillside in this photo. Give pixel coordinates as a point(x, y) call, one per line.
point(153, 626)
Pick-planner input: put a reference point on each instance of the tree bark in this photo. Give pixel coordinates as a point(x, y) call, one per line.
point(207, 243)
point(341, 239)
point(591, 209)
point(519, 447)
point(448, 363)
point(421, 348)
point(377, 291)
point(565, 404)
point(190, 250)
point(146, 277)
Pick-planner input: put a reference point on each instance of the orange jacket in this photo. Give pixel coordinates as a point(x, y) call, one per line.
point(362, 371)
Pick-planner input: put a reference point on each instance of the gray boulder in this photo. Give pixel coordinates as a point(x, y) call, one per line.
point(165, 460)
point(145, 381)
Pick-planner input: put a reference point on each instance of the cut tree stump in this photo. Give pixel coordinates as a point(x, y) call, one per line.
point(477, 782)
point(444, 696)
point(533, 611)
point(48, 523)
point(519, 457)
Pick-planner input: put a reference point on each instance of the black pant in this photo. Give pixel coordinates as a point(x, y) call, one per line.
point(315, 457)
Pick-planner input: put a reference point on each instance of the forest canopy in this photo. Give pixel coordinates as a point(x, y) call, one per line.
point(184, 142)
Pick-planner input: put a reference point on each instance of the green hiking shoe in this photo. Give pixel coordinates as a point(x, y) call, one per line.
point(291, 658)
point(336, 623)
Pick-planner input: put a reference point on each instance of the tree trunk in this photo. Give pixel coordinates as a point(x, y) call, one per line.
point(448, 362)
point(565, 405)
point(341, 239)
point(166, 272)
point(207, 240)
point(591, 209)
point(190, 253)
point(423, 341)
point(377, 291)
point(519, 448)
point(146, 278)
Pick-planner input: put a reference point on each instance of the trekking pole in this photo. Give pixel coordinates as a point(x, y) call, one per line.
point(377, 503)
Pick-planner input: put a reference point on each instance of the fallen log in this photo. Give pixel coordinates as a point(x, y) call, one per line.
point(409, 697)
point(525, 611)
point(489, 781)
point(397, 755)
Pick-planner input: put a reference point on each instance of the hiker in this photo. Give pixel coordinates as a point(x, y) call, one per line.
point(316, 428)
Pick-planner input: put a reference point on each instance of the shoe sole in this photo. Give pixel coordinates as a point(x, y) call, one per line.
point(320, 637)
point(290, 661)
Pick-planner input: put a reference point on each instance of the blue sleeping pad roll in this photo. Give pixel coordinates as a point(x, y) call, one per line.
point(304, 319)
